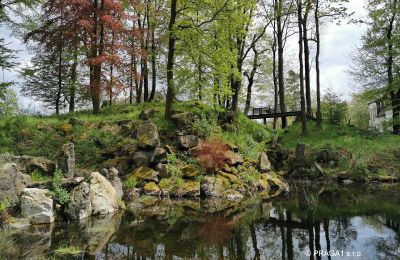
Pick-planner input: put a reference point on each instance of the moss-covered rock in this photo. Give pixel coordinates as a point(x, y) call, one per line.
point(122, 164)
point(190, 188)
point(147, 136)
point(151, 188)
point(190, 172)
point(214, 186)
point(233, 159)
point(145, 174)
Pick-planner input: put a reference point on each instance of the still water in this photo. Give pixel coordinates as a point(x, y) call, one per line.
point(347, 222)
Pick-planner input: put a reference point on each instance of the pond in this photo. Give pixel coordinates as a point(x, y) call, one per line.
point(356, 222)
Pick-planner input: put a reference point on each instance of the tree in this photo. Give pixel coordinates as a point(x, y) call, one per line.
point(334, 109)
point(301, 35)
point(376, 64)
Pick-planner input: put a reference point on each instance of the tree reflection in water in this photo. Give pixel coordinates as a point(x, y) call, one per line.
point(352, 219)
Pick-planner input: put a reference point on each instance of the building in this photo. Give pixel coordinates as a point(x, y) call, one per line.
point(379, 113)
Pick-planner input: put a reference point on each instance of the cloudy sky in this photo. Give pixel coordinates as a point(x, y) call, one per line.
point(338, 41)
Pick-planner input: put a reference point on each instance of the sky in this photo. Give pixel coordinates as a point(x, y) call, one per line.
point(337, 43)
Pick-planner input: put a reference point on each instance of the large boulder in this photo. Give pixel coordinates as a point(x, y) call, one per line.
point(188, 141)
point(28, 164)
point(140, 159)
point(79, 206)
point(12, 182)
point(147, 136)
point(152, 189)
point(184, 120)
point(212, 187)
point(264, 165)
point(67, 160)
point(190, 189)
point(146, 114)
point(145, 174)
point(103, 197)
point(37, 206)
point(112, 176)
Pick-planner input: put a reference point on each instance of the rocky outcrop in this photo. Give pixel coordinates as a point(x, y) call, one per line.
point(212, 187)
point(37, 206)
point(147, 136)
point(13, 182)
point(67, 160)
point(28, 164)
point(96, 196)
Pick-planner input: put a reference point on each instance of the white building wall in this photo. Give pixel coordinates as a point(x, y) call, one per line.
point(376, 121)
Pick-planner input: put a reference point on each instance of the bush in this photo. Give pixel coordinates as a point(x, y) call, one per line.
point(334, 110)
point(211, 154)
point(59, 194)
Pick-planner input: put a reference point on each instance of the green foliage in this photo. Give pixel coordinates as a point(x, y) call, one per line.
point(130, 183)
point(334, 110)
point(4, 205)
point(68, 250)
point(37, 176)
point(8, 103)
point(59, 193)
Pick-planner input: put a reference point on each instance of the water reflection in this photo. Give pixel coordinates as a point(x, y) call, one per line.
point(357, 220)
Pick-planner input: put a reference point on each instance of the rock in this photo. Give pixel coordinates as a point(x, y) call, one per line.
point(190, 188)
point(264, 165)
point(190, 172)
point(113, 178)
point(79, 206)
point(188, 141)
point(159, 156)
point(184, 120)
point(67, 160)
point(122, 164)
point(12, 182)
point(231, 178)
point(277, 156)
point(74, 121)
point(212, 187)
point(103, 197)
point(19, 223)
point(146, 174)
point(152, 189)
point(300, 153)
point(347, 182)
point(37, 206)
point(146, 114)
point(163, 170)
point(233, 159)
point(233, 195)
point(147, 136)
point(277, 184)
point(140, 159)
point(28, 164)
point(170, 149)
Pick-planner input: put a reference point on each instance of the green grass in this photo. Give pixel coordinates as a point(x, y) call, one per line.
point(68, 250)
point(39, 177)
point(367, 147)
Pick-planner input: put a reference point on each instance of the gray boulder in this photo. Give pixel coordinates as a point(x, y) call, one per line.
point(162, 169)
point(79, 206)
point(37, 206)
point(140, 159)
point(12, 182)
point(184, 120)
point(159, 156)
point(103, 197)
point(67, 160)
point(147, 136)
point(188, 141)
point(212, 187)
point(264, 165)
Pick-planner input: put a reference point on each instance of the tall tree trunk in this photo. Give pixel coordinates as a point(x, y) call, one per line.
point(307, 59)
point(276, 100)
point(237, 82)
point(317, 72)
point(281, 83)
point(200, 79)
point(74, 79)
point(302, 100)
point(131, 79)
point(170, 61)
point(145, 61)
point(153, 59)
point(250, 79)
point(59, 80)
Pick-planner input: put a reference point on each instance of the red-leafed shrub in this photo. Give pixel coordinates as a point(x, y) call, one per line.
point(212, 154)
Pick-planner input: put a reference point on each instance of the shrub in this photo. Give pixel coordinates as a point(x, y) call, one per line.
point(211, 154)
point(59, 194)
